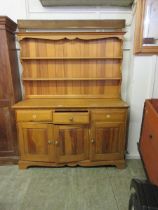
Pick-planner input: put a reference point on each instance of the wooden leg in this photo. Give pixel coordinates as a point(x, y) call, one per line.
point(120, 164)
point(72, 164)
point(23, 165)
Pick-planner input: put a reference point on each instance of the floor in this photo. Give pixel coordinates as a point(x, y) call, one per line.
point(98, 188)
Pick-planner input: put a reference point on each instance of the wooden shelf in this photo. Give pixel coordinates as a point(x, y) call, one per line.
point(71, 58)
point(68, 79)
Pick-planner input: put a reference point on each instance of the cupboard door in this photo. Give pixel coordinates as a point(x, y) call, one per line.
point(71, 143)
point(107, 141)
point(36, 142)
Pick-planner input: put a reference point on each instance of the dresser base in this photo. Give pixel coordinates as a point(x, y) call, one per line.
point(120, 164)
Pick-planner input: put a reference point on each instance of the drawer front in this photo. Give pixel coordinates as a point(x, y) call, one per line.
point(71, 118)
point(34, 115)
point(109, 115)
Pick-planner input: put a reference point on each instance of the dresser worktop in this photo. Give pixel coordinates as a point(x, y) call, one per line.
point(70, 103)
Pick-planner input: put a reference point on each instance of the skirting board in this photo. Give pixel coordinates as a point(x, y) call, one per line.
point(133, 156)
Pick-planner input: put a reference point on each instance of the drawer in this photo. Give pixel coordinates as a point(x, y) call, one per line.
point(71, 117)
point(34, 115)
point(109, 115)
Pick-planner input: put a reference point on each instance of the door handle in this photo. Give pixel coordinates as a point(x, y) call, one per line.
point(50, 142)
point(56, 142)
point(92, 141)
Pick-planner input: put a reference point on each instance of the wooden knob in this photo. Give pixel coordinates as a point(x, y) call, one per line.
point(108, 116)
point(71, 119)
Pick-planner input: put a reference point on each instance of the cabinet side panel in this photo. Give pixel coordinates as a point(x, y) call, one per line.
point(6, 88)
point(7, 133)
point(14, 68)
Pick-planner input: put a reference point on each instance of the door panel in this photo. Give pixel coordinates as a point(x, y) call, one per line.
point(107, 141)
point(149, 143)
point(71, 143)
point(36, 142)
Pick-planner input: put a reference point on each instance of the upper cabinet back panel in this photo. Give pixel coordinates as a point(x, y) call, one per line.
point(71, 64)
